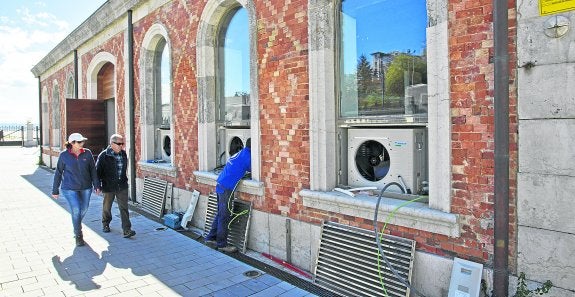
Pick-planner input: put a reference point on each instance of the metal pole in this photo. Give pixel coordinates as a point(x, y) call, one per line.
point(40, 139)
point(501, 110)
point(132, 124)
point(76, 74)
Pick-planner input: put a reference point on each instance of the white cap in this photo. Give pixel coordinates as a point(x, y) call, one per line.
point(76, 137)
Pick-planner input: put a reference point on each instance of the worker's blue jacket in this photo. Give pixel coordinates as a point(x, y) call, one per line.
point(235, 168)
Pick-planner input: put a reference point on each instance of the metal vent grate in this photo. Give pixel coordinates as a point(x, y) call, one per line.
point(154, 196)
point(347, 262)
point(238, 233)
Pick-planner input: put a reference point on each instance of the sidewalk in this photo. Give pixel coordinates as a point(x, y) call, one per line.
point(38, 255)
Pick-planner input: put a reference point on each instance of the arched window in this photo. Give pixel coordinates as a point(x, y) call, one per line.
point(156, 90)
point(56, 115)
point(70, 87)
point(233, 84)
point(228, 99)
point(162, 102)
point(45, 118)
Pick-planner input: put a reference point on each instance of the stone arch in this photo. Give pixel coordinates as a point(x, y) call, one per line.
point(155, 36)
point(213, 14)
point(94, 67)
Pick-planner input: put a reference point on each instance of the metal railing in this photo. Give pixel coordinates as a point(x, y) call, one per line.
point(19, 135)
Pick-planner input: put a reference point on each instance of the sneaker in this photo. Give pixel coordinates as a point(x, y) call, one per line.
point(211, 243)
point(106, 229)
point(228, 249)
point(80, 240)
point(129, 233)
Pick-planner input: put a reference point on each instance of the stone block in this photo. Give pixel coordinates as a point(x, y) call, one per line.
point(547, 255)
point(545, 147)
point(541, 97)
point(259, 233)
point(542, 201)
point(536, 47)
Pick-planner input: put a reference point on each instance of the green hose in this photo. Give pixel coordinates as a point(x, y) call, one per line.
point(380, 237)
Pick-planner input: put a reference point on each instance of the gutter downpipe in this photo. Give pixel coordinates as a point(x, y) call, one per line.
point(501, 141)
point(75, 74)
point(132, 140)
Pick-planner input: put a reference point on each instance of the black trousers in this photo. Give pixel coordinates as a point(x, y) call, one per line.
point(122, 200)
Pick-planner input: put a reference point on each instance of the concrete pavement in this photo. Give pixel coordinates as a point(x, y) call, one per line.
point(38, 255)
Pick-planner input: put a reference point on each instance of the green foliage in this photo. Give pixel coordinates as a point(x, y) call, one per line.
point(522, 290)
point(414, 67)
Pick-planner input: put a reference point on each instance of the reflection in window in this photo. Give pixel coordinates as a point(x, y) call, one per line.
point(383, 61)
point(234, 70)
point(163, 87)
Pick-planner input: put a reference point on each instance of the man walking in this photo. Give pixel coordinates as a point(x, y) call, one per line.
point(111, 168)
point(236, 167)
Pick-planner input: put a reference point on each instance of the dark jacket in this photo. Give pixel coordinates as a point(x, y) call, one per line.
point(75, 172)
point(108, 173)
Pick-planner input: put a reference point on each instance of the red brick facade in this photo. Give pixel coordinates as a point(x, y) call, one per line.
point(282, 59)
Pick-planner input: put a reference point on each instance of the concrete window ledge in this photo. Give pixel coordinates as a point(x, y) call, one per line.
point(158, 168)
point(415, 215)
point(248, 186)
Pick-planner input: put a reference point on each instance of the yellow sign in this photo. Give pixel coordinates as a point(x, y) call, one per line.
point(547, 7)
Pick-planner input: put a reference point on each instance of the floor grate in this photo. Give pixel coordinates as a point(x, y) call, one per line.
point(154, 196)
point(238, 233)
point(347, 262)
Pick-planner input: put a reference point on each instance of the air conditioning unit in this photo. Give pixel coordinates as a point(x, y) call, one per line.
point(164, 145)
point(377, 157)
point(236, 139)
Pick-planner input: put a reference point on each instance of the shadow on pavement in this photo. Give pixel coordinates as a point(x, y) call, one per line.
point(80, 268)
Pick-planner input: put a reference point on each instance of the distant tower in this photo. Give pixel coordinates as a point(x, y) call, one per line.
point(380, 62)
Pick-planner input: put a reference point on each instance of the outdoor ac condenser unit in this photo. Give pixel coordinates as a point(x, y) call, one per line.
point(236, 139)
point(377, 157)
point(165, 144)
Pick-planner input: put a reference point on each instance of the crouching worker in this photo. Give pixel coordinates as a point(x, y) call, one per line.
point(111, 167)
point(236, 167)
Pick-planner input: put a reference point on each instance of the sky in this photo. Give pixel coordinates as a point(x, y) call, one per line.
point(29, 30)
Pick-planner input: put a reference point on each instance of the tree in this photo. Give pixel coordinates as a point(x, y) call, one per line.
point(405, 68)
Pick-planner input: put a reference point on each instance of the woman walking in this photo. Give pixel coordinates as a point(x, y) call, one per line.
point(76, 174)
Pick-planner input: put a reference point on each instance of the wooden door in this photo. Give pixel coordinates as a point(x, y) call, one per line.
point(88, 117)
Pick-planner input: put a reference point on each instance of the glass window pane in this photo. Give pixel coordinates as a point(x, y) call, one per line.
point(166, 86)
point(383, 63)
point(236, 71)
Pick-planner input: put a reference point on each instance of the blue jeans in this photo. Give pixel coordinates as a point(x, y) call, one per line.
point(78, 202)
point(219, 230)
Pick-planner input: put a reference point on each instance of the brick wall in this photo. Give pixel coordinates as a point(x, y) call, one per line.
point(282, 59)
point(284, 119)
point(61, 76)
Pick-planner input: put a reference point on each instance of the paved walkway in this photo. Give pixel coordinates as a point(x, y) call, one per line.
point(38, 255)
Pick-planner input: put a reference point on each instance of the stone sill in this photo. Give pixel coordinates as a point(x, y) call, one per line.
point(415, 215)
point(248, 186)
point(158, 168)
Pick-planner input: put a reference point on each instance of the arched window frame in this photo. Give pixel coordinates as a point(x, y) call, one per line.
point(70, 86)
point(215, 13)
point(45, 117)
point(150, 56)
point(56, 114)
